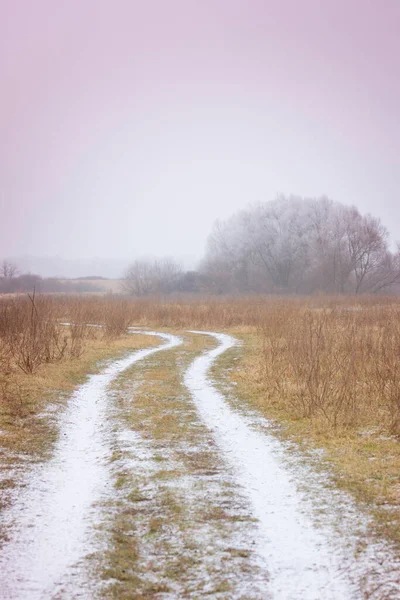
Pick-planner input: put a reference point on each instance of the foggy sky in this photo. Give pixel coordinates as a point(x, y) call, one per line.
point(128, 127)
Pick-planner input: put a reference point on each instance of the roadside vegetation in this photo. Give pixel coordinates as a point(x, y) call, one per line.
point(42, 360)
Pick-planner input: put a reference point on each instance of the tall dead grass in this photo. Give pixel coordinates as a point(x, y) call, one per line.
point(339, 366)
point(31, 335)
point(335, 360)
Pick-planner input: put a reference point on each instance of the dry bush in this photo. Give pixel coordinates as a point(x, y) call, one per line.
point(385, 378)
point(340, 367)
point(75, 315)
point(78, 334)
point(36, 330)
point(5, 355)
point(322, 359)
point(14, 398)
point(116, 318)
point(30, 334)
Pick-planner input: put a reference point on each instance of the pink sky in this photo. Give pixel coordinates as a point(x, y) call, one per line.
point(128, 127)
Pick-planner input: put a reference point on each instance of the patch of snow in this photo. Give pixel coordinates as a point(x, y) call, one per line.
point(210, 544)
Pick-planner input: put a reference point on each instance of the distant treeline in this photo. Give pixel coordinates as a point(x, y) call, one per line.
point(16, 284)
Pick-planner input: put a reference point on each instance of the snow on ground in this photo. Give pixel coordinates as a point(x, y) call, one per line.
point(206, 548)
point(305, 562)
point(51, 523)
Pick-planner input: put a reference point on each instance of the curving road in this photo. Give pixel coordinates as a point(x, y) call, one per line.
point(54, 518)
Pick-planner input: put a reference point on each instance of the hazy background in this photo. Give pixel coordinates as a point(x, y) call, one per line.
point(127, 127)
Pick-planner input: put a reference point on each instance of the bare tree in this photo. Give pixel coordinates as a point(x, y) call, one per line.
point(228, 263)
point(367, 248)
point(150, 277)
point(280, 239)
point(385, 274)
point(331, 266)
point(8, 270)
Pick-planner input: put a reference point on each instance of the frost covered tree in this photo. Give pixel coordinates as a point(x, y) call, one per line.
point(301, 245)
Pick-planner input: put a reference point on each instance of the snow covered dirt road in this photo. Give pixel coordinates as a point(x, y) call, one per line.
point(53, 519)
point(193, 497)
